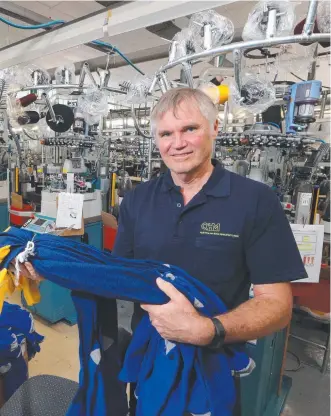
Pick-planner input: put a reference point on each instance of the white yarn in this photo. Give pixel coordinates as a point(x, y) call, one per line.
point(22, 258)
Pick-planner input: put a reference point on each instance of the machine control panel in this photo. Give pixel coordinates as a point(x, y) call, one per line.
point(40, 224)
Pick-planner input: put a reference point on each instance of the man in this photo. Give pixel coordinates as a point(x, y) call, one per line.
point(223, 229)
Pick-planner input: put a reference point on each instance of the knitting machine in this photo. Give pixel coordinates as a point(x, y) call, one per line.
point(301, 102)
point(108, 128)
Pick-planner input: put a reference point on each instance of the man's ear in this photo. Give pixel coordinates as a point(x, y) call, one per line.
point(215, 129)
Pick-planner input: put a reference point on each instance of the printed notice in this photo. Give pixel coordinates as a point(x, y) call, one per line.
point(306, 199)
point(309, 239)
point(70, 210)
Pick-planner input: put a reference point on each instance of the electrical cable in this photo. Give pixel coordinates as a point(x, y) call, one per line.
point(32, 27)
point(127, 60)
point(61, 22)
point(293, 370)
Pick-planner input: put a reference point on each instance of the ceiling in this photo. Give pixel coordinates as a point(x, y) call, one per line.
point(147, 49)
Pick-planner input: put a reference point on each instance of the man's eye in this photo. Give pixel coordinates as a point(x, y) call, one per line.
point(191, 128)
point(165, 134)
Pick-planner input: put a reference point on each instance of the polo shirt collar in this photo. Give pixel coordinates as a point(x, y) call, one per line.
point(218, 185)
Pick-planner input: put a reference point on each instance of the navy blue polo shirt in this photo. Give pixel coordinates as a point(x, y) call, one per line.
point(231, 234)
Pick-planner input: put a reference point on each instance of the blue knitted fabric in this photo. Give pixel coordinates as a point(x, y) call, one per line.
point(16, 326)
point(171, 378)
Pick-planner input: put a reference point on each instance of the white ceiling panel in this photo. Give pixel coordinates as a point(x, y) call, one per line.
point(77, 9)
point(45, 10)
point(135, 41)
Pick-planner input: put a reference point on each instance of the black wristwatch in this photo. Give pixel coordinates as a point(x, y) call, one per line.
point(218, 340)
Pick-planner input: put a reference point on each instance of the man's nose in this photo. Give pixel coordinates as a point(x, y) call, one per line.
point(179, 141)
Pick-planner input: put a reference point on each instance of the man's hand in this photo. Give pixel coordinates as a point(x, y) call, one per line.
point(28, 271)
point(178, 320)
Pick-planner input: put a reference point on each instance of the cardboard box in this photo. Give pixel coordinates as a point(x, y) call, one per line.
point(16, 201)
point(67, 233)
point(109, 220)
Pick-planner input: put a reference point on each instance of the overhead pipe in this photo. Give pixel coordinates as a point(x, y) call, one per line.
point(310, 19)
point(51, 86)
point(252, 44)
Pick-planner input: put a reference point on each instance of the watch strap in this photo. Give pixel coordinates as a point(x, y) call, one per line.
point(219, 337)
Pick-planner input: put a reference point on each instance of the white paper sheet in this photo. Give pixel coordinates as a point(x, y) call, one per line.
point(309, 239)
point(70, 210)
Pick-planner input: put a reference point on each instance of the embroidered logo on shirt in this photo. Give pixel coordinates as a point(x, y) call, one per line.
point(212, 228)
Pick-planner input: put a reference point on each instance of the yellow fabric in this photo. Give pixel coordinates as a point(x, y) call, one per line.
point(4, 251)
point(7, 287)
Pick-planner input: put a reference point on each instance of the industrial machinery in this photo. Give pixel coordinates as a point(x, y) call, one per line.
point(270, 129)
point(301, 103)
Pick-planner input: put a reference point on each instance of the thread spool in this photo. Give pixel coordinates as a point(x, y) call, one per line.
point(29, 117)
point(27, 99)
point(219, 94)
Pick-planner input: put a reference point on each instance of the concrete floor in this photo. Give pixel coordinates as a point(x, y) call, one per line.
point(309, 396)
point(310, 393)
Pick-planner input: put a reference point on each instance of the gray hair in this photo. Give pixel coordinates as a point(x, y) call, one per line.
point(172, 99)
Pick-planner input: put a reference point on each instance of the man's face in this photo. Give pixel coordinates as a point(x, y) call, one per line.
point(186, 140)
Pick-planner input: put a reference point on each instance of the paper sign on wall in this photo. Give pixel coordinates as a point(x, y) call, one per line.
point(70, 210)
point(309, 239)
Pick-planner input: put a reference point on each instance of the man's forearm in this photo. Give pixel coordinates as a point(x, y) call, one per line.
point(256, 318)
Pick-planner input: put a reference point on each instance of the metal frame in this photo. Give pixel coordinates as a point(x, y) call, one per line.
point(223, 50)
point(126, 18)
point(68, 87)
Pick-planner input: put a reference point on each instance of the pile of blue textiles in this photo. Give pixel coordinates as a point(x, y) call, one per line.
point(16, 333)
point(171, 378)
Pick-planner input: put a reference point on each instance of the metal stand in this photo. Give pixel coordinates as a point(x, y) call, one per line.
point(325, 347)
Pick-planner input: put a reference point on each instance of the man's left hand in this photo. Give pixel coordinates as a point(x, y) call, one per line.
point(178, 320)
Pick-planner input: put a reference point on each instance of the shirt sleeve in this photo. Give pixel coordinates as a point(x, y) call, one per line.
point(272, 255)
point(124, 243)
